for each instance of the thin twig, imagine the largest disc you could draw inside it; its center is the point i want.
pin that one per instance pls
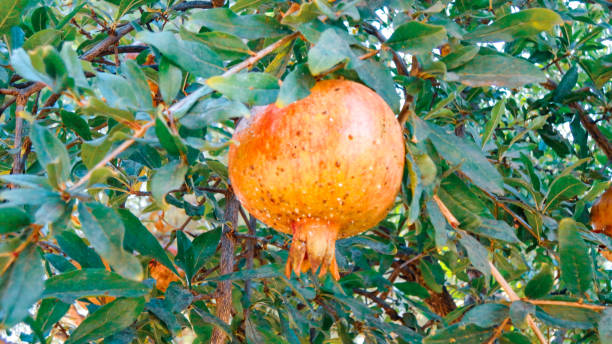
(452, 220)
(498, 331)
(597, 308)
(138, 133)
(513, 297)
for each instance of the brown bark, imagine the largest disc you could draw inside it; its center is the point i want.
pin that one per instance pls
(224, 288)
(440, 303)
(591, 127)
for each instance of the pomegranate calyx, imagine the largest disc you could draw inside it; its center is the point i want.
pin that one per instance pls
(314, 248)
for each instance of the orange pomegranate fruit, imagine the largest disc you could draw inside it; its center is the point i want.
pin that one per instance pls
(601, 214)
(326, 167)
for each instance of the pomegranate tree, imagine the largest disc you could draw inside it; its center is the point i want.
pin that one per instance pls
(326, 167)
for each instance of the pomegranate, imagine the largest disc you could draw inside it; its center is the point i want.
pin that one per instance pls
(326, 167)
(601, 214)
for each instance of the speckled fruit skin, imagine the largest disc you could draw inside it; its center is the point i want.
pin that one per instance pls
(325, 167)
(601, 214)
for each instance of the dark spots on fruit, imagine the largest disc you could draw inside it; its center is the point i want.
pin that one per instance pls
(325, 112)
(345, 196)
(310, 133)
(293, 155)
(350, 137)
(337, 89)
(298, 133)
(352, 177)
(281, 169)
(324, 201)
(252, 168)
(272, 200)
(337, 163)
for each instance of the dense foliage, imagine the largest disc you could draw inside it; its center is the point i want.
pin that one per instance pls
(118, 221)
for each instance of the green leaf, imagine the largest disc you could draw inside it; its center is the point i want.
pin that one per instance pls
(497, 70)
(138, 238)
(412, 288)
(107, 320)
(563, 189)
(375, 244)
(460, 55)
(195, 58)
(126, 6)
(73, 246)
(168, 177)
(94, 151)
(457, 151)
(525, 23)
(41, 38)
(541, 284)
(184, 257)
(329, 50)
(519, 310)
(213, 110)
(94, 106)
(266, 271)
(416, 38)
(296, 86)
(204, 246)
(13, 219)
(566, 85)
(605, 326)
(496, 116)
(21, 286)
(105, 232)
(470, 334)
(122, 93)
(514, 338)
(576, 269)
(477, 253)
(50, 151)
(22, 64)
(568, 317)
(227, 46)
(248, 26)
(76, 123)
(486, 315)
(414, 176)
(10, 14)
(467, 208)
(73, 285)
(73, 65)
(429, 276)
(254, 88)
(495, 229)
(170, 80)
(140, 87)
(49, 313)
(380, 80)
(168, 140)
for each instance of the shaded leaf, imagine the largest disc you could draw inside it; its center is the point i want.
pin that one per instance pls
(248, 26)
(296, 86)
(91, 282)
(139, 239)
(252, 88)
(166, 178)
(576, 269)
(470, 334)
(521, 24)
(498, 70)
(21, 286)
(541, 284)
(13, 219)
(486, 315)
(415, 37)
(105, 231)
(107, 320)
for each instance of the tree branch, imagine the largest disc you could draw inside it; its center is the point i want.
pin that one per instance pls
(591, 127)
(224, 288)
